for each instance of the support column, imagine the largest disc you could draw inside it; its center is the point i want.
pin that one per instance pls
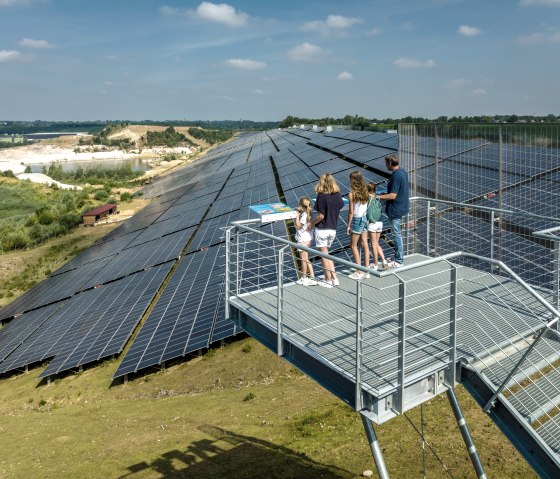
(466, 434)
(375, 448)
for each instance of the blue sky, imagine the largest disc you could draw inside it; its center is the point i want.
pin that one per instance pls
(264, 60)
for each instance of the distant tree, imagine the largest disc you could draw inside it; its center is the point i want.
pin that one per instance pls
(27, 169)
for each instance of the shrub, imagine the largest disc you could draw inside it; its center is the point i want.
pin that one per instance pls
(249, 397)
(126, 196)
(69, 220)
(45, 215)
(101, 195)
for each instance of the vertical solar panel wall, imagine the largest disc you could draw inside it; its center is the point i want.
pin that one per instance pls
(514, 169)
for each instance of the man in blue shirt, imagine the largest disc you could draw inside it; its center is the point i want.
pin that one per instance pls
(397, 205)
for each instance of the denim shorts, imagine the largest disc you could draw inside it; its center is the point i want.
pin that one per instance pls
(358, 225)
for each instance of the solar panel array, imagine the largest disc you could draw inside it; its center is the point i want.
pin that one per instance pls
(159, 277)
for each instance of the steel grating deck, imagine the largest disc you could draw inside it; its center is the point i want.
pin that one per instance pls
(484, 321)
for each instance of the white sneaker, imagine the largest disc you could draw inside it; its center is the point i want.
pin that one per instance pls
(367, 276)
(373, 268)
(324, 284)
(394, 264)
(310, 282)
(335, 282)
(301, 281)
(357, 275)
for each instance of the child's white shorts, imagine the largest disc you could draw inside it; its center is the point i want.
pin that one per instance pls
(376, 227)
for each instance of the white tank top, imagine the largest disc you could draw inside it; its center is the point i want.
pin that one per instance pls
(359, 209)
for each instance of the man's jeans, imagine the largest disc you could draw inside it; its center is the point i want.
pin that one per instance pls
(396, 230)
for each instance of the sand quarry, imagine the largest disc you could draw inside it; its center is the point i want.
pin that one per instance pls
(67, 149)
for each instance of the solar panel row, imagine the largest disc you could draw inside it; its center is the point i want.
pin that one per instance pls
(188, 215)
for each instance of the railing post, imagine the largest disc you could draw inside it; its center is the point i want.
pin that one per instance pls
(492, 219)
(280, 302)
(556, 275)
(237, 261)
(401, 345)
(451, 377)
(227, 278)
(428, 230)
(359, 334)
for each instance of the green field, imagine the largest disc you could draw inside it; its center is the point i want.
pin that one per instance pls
(236, 412)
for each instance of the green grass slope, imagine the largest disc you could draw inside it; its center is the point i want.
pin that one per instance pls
(236, 412)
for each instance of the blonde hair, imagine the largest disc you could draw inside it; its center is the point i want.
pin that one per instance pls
(327, 184)
(372, 188)
(358, 186)
(305, 204)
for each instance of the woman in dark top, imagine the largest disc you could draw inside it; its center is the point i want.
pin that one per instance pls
(328, 205)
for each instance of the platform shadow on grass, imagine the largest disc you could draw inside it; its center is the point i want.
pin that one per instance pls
(234, 456)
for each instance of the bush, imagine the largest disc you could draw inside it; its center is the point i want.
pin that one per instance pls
(46, 215)
(126, 196)
(70, 220)
(101, 195)
(15, 240)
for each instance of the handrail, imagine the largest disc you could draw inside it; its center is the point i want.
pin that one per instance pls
(419, 264)
(485, 208)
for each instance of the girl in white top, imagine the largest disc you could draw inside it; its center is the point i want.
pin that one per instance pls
(303, 237)
(357, 221)
(374, 230)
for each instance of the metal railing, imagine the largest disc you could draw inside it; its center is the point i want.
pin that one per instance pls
(385, 335)
(437, 227)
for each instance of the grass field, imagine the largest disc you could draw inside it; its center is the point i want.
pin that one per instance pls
(236, 412)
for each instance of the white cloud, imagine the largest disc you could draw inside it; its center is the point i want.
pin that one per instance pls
(259, 92)
(8, 56)
(245, 64)
(457, 83)
(551, 36)
(345, 76)
(14, 3)
(333, 22)
(211, 12)
(306, 52)
(412, 63)
(479, 91)
(468, 31)
(108, 83)
(539, 3)
(222, 13)
(32, 43)
(374, 32)
(532, 39)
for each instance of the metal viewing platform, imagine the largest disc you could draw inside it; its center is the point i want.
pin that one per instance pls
(391, 341)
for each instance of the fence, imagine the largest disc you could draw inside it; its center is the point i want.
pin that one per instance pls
(490, 188)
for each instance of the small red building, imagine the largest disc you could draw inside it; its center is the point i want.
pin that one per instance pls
(97, 214)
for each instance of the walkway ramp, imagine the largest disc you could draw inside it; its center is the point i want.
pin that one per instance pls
(387, 343)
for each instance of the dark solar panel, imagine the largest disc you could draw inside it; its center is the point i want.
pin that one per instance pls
(20, 328)
(332, 166)
(54, 289)
(108, 320)
(142, 256)
(211, 231)
(182, 319)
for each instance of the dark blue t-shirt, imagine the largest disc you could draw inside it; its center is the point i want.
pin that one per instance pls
(398, 183)
(329, 205)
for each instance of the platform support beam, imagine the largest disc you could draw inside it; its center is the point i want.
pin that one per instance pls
(375, 448)
(461, 421)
